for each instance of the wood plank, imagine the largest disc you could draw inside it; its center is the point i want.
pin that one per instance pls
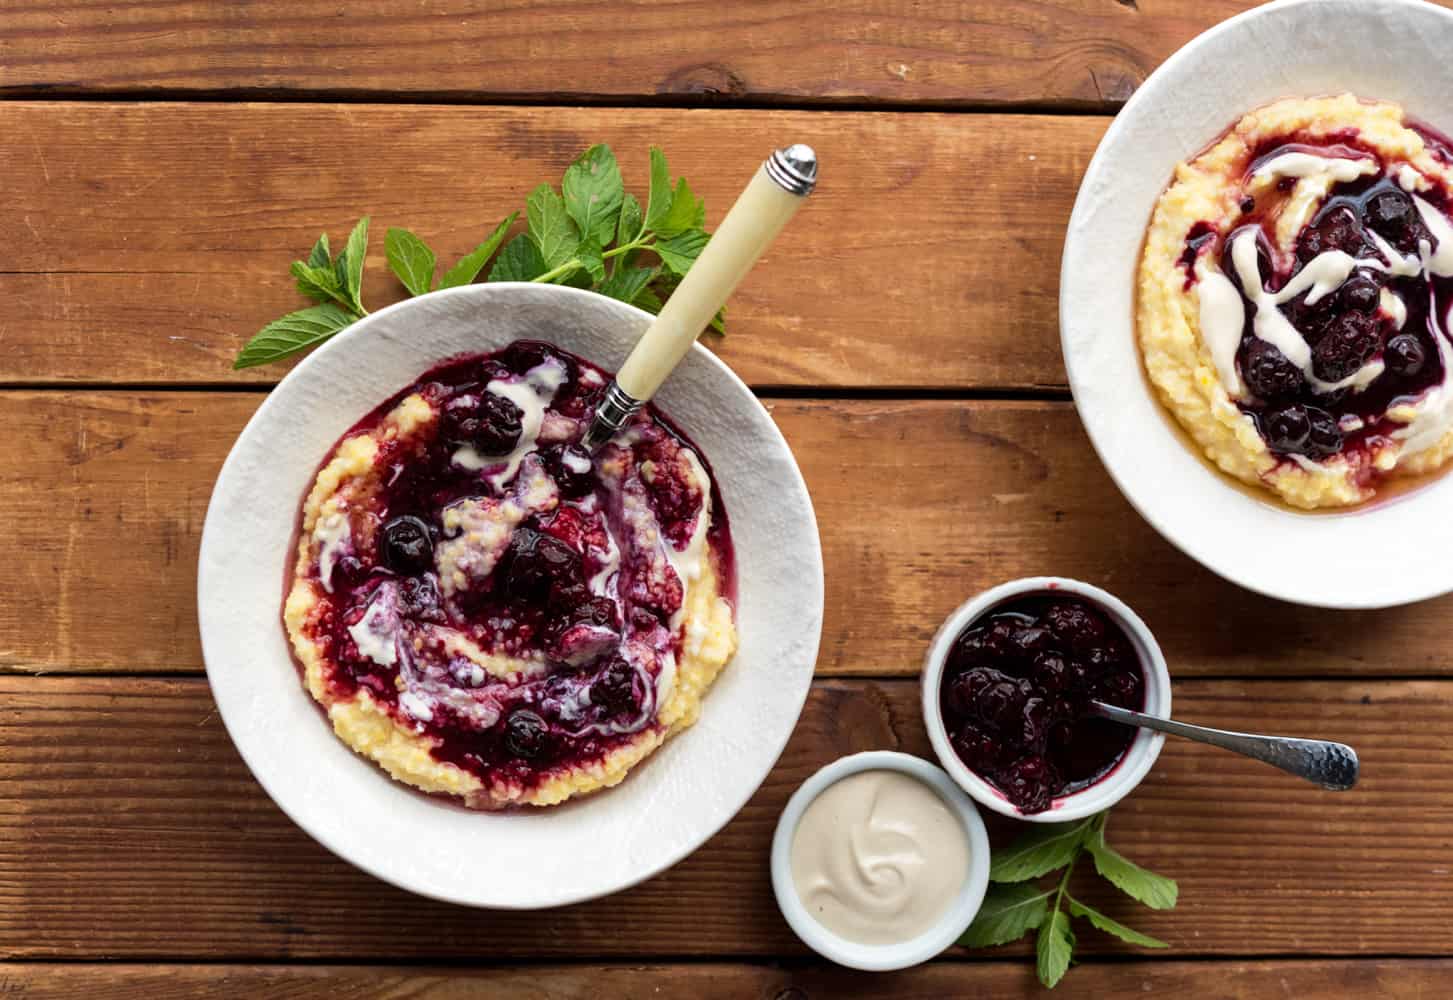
(1082, 53)
(1325, 979)
(105, 493)
(130, 829)
(145, 243)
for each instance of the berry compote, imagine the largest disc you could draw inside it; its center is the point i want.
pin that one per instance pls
(1015, 690)
(518, 608)
(1343, 336)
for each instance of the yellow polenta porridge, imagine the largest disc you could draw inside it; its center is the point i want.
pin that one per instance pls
(486, 610)
(1294, 296)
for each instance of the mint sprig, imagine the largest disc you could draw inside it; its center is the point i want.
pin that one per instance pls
(591, 234)
(1017, 904)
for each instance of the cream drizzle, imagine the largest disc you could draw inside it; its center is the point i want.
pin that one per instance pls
(1222, 312)
(1336, 169)
(533, 396)
(333, 535)
(1321, 276)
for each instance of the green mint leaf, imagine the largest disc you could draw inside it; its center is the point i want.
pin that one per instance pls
(686, 212)
(627, 283)
(1104, 923)
(593, 192)
(411, 259)
(350, 265)
(1008, 913)
(658, 196)
(631, 226)
(473, 262)
(319, 283)
(1056, 945)
(294, 332)
(1040, 851)
(520, 260)
(550, 226)
(718, 322)
(1140, 884)
(589, 256)
(680, 251)
(648, 300)
(321, 256)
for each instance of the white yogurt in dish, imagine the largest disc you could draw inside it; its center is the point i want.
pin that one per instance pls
(878, 858)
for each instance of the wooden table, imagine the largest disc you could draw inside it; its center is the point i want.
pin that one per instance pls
(162, 162)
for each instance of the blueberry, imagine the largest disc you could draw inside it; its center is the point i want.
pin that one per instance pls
(486, 421)
(1120, 688)
(1051, 672)
(1000, 704)
(977, 749)
(1337, 229)
(1361, 294)
(573, 470)
(1074, 625)
(525, 734)
(536, 565)
(1345, 345)
(406, 546)
(999, 637)
(969, 650)
(1286, 430)
(1390, 212)
(523, 355)
(614, 688)
(1030, 783)
(1325, 437)
(1031, 640)
(1404, 355)
(967, 688)
(1034, 722)
(1268, 373)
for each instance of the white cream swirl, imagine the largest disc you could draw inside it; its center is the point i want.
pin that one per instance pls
(878, 858)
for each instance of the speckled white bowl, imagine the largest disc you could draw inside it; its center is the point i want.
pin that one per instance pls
(882, 957)
(1136, 763)
(666, 807)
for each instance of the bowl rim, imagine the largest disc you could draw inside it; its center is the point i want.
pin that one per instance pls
(881, 957)
(1104, 438)
(1138, 759)
(290, 801)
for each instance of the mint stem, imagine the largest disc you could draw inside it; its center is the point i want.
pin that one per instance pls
(570, 265)
(640, 243)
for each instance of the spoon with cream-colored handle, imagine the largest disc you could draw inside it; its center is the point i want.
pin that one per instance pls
(770, 199)
(1331, 765)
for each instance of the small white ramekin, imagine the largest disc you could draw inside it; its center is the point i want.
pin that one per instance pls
(1137, 760)
(883, 957)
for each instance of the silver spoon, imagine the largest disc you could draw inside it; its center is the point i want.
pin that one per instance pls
(773, 195)
(1331, 765)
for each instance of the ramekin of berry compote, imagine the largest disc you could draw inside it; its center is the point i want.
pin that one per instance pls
(1006, 687)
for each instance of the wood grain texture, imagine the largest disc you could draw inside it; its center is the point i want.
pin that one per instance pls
(130, 829)
(146, 243)
(1081, 53)
(920, 504)
(1305, 980)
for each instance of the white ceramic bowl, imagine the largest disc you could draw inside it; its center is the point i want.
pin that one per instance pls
(1391, 49)
(868, 957)
(673, 801)
(1143, 750)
